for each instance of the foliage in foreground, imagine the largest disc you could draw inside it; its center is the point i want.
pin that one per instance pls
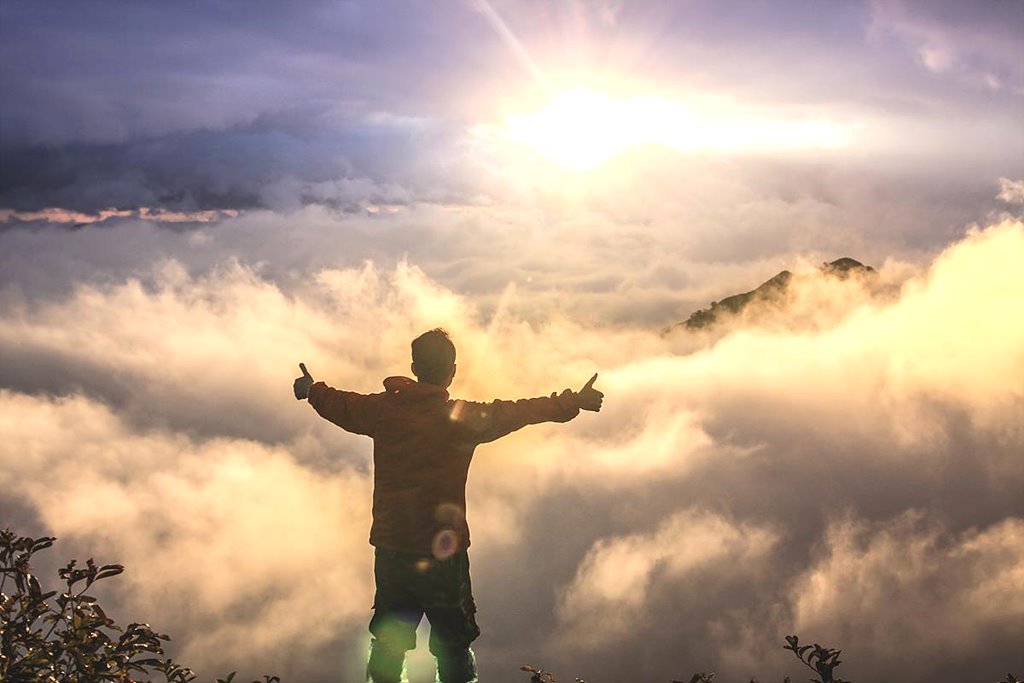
(821, 660)
(66, 636)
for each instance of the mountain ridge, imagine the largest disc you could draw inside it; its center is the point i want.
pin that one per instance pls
(772, 291)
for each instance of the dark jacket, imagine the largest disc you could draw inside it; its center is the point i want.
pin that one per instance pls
(423, 443)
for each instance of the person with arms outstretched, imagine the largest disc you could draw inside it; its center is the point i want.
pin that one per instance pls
(423, 442)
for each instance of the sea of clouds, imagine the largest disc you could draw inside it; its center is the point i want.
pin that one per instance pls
(847, 468)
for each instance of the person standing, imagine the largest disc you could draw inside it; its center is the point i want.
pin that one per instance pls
(423, 443)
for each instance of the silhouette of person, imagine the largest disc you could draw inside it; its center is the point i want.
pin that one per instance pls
(423, 443)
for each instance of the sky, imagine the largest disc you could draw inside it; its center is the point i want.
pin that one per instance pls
(195, 198)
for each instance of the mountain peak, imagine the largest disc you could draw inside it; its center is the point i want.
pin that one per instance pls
(842, 267)
(770, 290)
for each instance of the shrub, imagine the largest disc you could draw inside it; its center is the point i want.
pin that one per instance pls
(66, 637)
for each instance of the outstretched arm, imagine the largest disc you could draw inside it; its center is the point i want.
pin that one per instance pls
(494, 420)
(352, 412)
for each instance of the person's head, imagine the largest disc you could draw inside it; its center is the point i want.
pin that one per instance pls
(433, 358)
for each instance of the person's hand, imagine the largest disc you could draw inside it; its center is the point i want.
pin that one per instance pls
(588, 397)
(302, 384)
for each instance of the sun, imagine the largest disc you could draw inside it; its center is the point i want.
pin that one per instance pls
(581, 129)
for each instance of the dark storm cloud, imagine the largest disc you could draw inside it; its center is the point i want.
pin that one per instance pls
(110, 73)
(257, 165)
(108, 105)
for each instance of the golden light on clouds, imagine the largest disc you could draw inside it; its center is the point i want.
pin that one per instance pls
(581, 129)
(720, 455)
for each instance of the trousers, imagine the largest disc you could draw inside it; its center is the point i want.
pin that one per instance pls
(409, 587)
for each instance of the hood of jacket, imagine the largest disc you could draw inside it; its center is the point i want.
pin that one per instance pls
(407, 389)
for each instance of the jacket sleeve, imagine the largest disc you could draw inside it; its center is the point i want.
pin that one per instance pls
(356, 413)
(491, 421)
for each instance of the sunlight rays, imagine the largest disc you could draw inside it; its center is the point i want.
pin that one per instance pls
(580, 128)
(505, 33)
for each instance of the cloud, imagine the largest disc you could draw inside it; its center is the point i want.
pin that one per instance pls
(338, 163)
(230, 544)
(981, 45)
(1011, 191)
(61, 216)
(373, 103)
(148, 420)
(892, 592)
(605, 601)
(106, 76)
(645, 247)
(911, 590)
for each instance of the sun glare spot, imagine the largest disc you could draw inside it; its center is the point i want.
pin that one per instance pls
(581, 129)
(577, 129)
